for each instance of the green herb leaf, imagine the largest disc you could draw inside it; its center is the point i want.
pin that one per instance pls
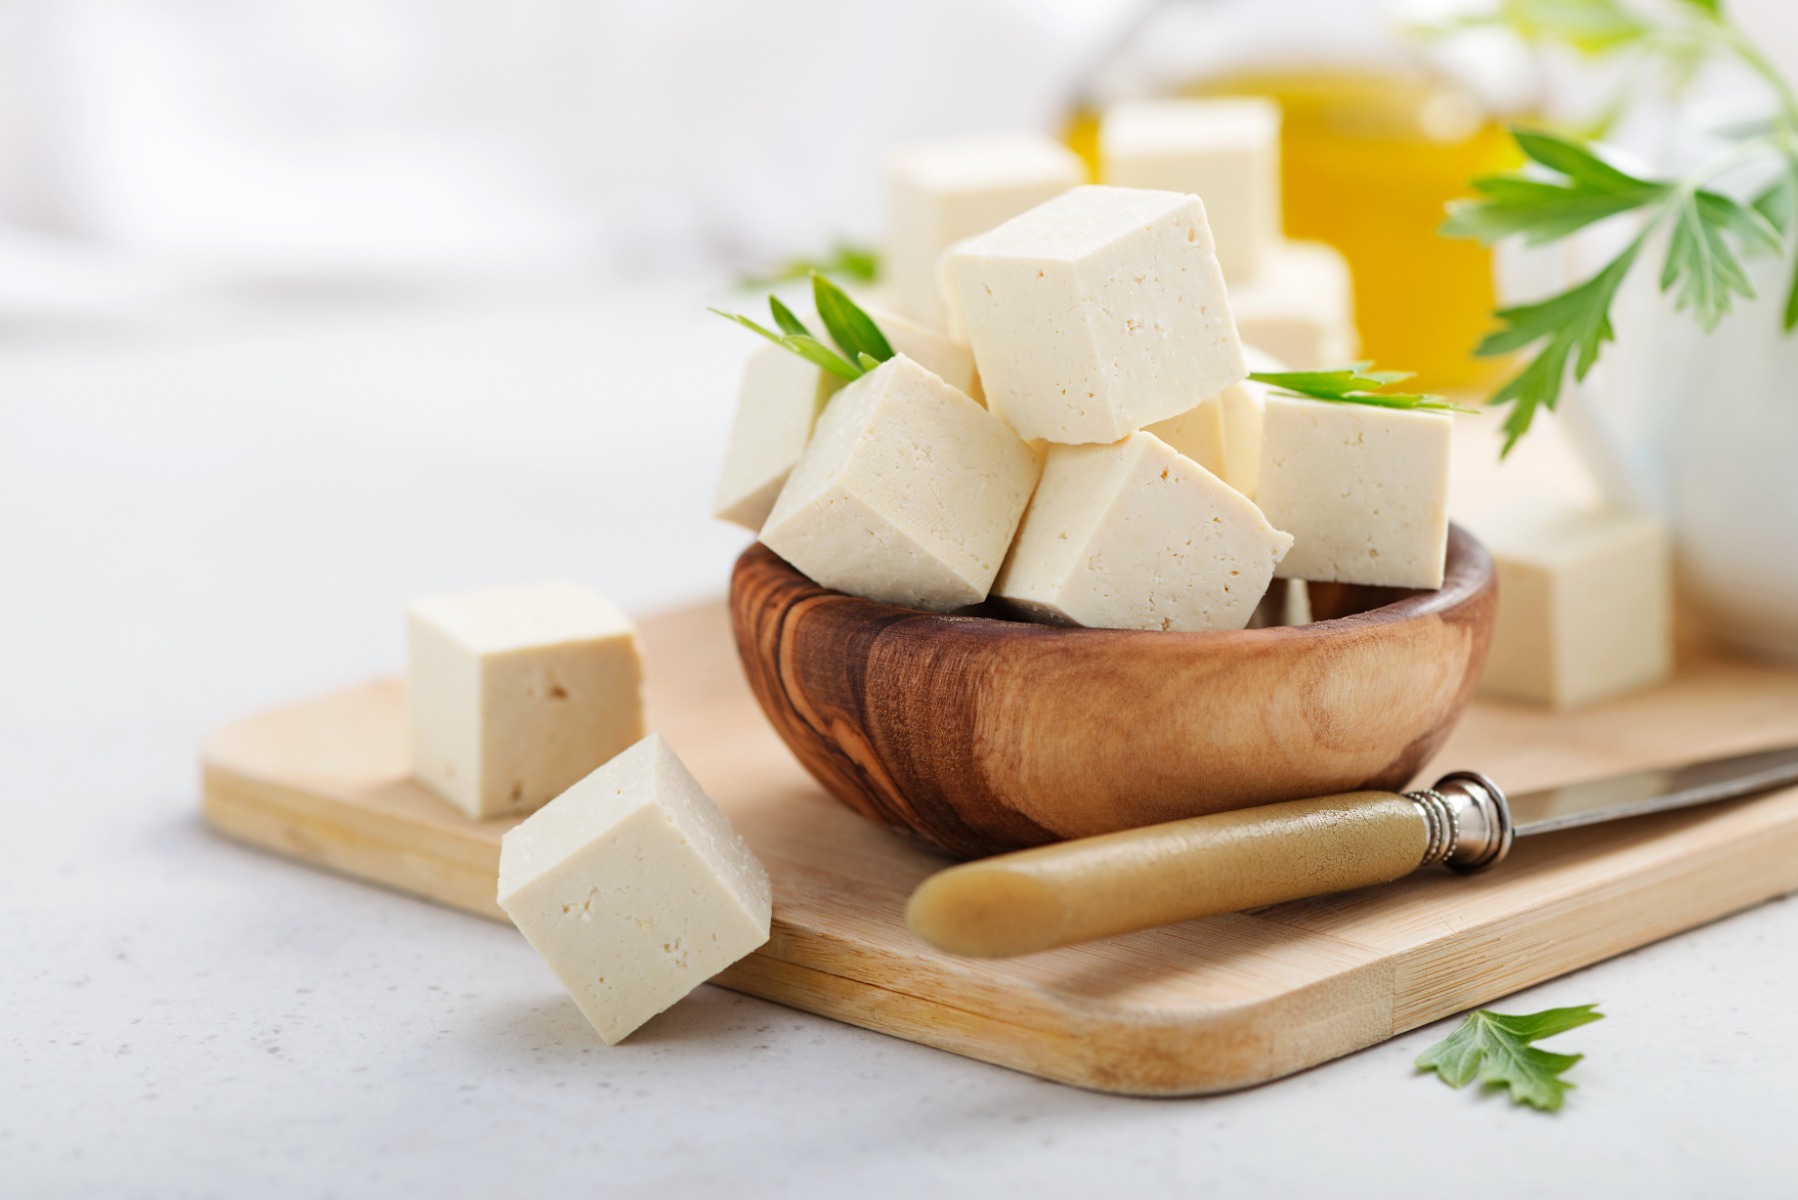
(1590, 26)
(1495, 1049)
(868, 361)
(1544, 210)
(844, 258)
(784, 318)
(803, 344)
(1700, 259)
(850, 328)
(1353, 384)
(814, 351)
(1575, 320)
(1779, 203)
(1710, 7)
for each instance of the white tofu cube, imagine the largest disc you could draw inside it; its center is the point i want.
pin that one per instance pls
(1300, 307)
(1223, 433)
(1225, 151)
(1585, 606)
(1199, 434)
(909, 493)
(1135, 536)
(781, 397)
(517, 692)
(942, 192)
(1097, 313)
(1362, 490)
(634, 888)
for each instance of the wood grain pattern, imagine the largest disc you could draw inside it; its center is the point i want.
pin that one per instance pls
(1200, 1007)
(982, 735)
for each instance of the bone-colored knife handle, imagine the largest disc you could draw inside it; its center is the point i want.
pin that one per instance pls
(1095, 887)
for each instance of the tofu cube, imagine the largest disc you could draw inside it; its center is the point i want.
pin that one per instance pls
(909, 493)
(1362, 490)
(517, 692)
(944, 191)
(1223, 433)
(1135, 536)
(1585, 607)
(780, 399)
(1225, 151)
(1300, 307)
(1097, 313)
(634, 888)
(1199, 434)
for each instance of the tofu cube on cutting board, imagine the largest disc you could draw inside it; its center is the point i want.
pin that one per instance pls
(634, 888)
(1225, 151)
(1362, 490)
(942, 192)
(908, 493)
(1136, 536)
(1299, 307)
(517, 692)
(1097, 313)
(1585, 606)
(780, 399)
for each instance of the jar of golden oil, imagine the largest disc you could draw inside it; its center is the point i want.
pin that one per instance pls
(1381, 127)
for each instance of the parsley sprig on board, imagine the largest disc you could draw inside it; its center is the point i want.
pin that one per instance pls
(861, 344)
(1354, 384)
(1496, 1049)
(1708, 234)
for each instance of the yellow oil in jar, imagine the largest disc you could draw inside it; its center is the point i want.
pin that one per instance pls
(1369, 162)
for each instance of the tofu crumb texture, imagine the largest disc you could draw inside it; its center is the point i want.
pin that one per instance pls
(1097, 313)
(1136, 536)
(1585, 604)
(634, 888)
(909, 493)
(515, 693)
(1362, 490)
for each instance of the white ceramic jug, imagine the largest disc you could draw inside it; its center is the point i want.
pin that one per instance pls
(1703, 431)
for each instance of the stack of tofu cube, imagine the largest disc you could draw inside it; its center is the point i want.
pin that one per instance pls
(1067, 426)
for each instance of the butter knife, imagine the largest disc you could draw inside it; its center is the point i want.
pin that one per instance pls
(1095, 887)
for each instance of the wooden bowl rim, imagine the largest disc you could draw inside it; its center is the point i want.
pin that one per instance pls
(1468, 573)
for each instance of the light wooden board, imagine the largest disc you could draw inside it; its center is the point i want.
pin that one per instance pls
(1201, 1007)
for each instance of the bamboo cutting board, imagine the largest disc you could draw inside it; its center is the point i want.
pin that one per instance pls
(1202, 1007)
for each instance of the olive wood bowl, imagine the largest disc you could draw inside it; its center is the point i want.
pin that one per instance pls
(981, 734)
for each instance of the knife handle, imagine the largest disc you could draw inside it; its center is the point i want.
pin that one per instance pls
(1119, 882)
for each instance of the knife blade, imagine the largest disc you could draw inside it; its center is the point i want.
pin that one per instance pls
(1095, 887)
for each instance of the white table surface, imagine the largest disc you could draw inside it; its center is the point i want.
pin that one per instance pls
(201, 517)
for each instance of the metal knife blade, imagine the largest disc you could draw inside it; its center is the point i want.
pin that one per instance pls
(1642, 792)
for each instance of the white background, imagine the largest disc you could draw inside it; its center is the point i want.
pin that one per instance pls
(241, 423)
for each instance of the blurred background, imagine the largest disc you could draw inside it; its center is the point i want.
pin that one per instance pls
(308, 306)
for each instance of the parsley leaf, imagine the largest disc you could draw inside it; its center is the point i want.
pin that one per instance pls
(1544, 210)
(1353, 384)
(1702, 262)
(1577, 319)
(1495, 1049)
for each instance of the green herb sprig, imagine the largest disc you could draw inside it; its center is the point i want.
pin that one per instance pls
(845, 259)
(1571, 187)
(1496, 1049)
(861, 343)
(1354, 384)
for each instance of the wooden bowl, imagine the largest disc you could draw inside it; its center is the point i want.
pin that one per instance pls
(980, 734)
